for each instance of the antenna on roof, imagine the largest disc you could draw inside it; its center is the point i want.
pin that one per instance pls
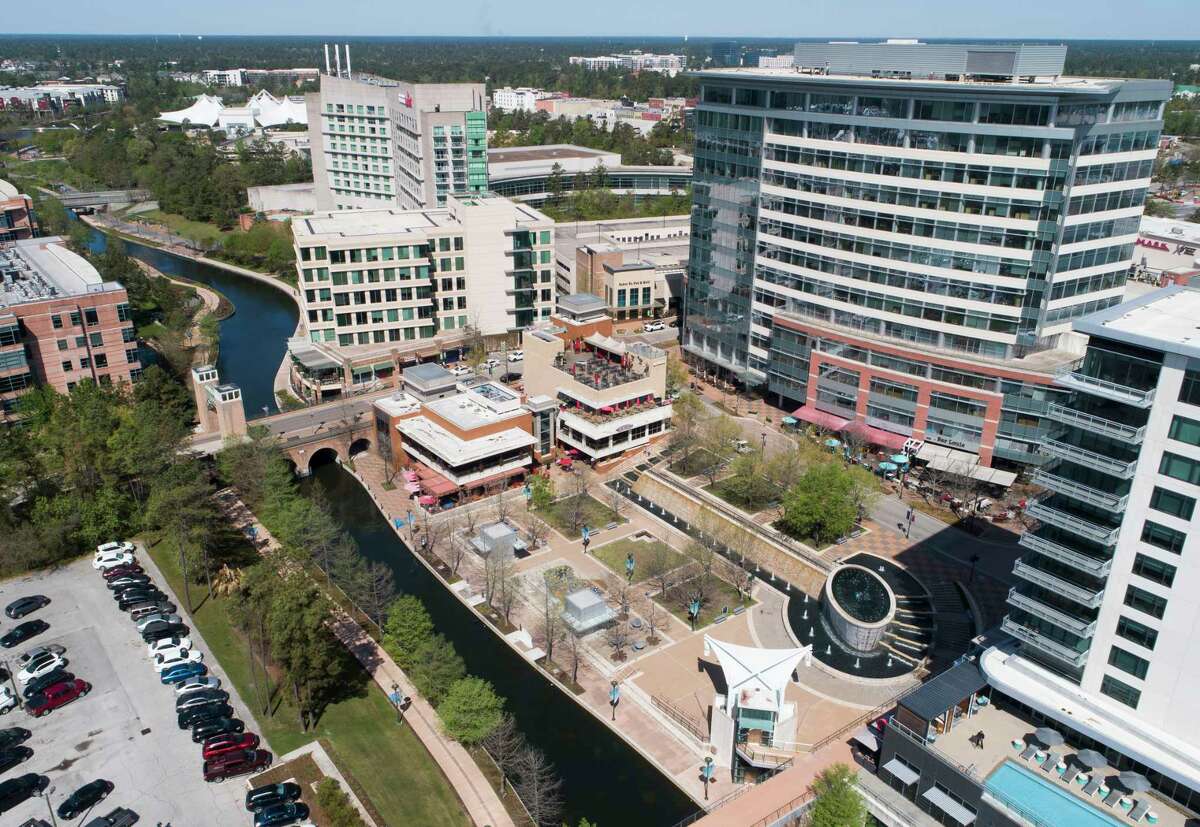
(327, 58)
(337, 60)
(347, 60)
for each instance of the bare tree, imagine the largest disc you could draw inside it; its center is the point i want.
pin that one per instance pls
(617, 636)
(537, 529)
(616, 503)
(573, 644)
(508, 587)
(621, 590)
(377, 590)
(703, 558)
(456, 547)
(505, 744)
(717, 437)
(661, 564)
(551, 626)
(501, 505)
(654, 615)
(495, 568)
(578, 488)
(540, 788)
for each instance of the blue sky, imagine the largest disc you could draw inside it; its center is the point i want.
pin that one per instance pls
(1131, 19)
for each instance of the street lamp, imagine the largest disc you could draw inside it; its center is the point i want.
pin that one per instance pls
(49, 807)
(614, 698)
(708, 774)
(396, 698)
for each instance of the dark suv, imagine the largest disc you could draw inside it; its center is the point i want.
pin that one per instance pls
(190, 717)
(236, 763)
(270, 795)
(15, 791)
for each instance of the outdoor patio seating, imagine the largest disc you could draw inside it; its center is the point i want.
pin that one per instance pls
(1028, 752)
(1096, 783)
(1050, 762)
(1142, 807)
(1070, 774)
(1112, 798)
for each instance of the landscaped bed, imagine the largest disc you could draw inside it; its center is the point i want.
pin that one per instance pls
(697, 462)
(721, 596)
(645, 553)
(593, 514)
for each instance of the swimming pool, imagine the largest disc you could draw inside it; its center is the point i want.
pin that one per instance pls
(1026, 793)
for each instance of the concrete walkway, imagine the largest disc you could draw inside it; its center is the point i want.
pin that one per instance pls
(464, 775)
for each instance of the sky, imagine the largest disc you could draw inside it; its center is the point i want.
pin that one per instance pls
(1066, 19)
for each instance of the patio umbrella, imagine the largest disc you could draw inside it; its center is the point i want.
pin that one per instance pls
(900, 459)
(1090, 759)
(888, 466)
(1048, 737)
(1135, 782)
(788, 420)
(832, 443)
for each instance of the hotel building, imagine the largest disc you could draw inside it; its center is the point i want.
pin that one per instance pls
(60, 323)
(901, 233)
(379, 143)
(382, 287)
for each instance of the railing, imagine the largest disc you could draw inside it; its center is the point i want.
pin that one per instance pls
(793, 807)
(1079, 491)
(1104, 535)
(1096, 424)
(1040, 641)
(895, 726)
(1102, 387)
(1088, 459)
(1088, 597)
(679, 717)
(1034, 606)
(1064, 554)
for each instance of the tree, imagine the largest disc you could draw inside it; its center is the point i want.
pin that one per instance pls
(505, 744)
(407, 629)
(616, 502)
(540, 788)
(541, 492)
(1157, 208)
(436, 667)
(822, 504)
(456, 546)
(551, 625)
(599, 177)
(621, 590)
(507, 589)
(501, 504)
(677, 374)
(748, 484)
(617, 637)
(180, 504)
(375, 591)
(579, 485)
(838, 801)
(660, 562)
(554, 183)
(703, 557)
(471, 710)
(335, 803)
(574, 646)
(654, 615)
(717, 437)
(537, 529)
(687, 412)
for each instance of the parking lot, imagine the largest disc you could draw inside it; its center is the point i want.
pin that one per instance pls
(125, 729)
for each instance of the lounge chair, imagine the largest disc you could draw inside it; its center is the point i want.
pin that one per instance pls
(1113, 797)
(1140, 809)
(1093, 785)
(1071, 773)
(1028, 752)
(1050, 762)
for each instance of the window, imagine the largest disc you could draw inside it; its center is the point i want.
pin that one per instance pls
(1154, 570)
(81, 341)
(67, 367)
(97, 339)
(131, 355)
(1119, 691)
(91, 317)
(1185, 430)
(85, 363)
(62, 344)
(1128, 662)
(56, 321)
(1168, 502)
(935, 110)
(76, 320)
(1138, 633)
(101, 360)
(1181, 468)
(1163, 537)
(123, 312)
(1189, 392)
(1144, 601)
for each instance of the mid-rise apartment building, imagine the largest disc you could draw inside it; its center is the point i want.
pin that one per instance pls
(522, 99)
(902, 233)
(633, 61)
(16, 214)
(378, 142)
(60, 323)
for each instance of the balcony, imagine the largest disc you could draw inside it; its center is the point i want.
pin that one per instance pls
(1104, 535)
(1080, 594)
(1059, 618)
(1089, 459)
(1064, 554)
(1108, 390)
(1095, 424)
(596, 373)
(1078, 491)
(1040, 641)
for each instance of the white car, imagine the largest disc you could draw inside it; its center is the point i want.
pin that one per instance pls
(8, 701)
(460, 370)
(38, 651)
(161, 646)
(490, 364)
(105, 549)
(178, 657)
(196, 685)
(39, 666)
(146, 620)
(652, 327)
(516, 355)
(116, 558)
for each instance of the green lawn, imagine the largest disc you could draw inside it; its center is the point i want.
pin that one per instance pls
(613, 555)
(595, 515)
(388, 761)
(721, 595)
(696, 463)
(200, 232)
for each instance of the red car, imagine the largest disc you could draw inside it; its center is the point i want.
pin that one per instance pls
(229, 742)
(52, 697)
(240, 762)
(122, 571)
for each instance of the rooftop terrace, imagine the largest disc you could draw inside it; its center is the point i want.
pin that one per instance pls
(43, 268)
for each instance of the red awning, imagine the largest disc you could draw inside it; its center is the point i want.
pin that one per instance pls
(877, 436)
(432, 482)
(820, 418)
(503, 475)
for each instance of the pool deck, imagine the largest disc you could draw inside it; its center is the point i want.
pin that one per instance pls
(1000, 729)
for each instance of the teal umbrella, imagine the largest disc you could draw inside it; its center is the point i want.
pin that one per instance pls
(788, 420)
(832, 443)
(888, 466)
(900, 459)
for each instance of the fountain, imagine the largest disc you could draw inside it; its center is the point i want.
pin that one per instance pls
(859, 606)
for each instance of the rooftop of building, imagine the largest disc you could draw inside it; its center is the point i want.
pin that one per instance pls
(43, 268)
(455, 450)
(581, 303)
(7, 190)
(549, 152)
(1164, 320)
(330, 226)
(477, 406)
(398, 404)
(428, 373)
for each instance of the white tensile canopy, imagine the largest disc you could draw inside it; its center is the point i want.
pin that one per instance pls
(751, 671)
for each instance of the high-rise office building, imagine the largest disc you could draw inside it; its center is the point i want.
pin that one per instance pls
(380, 143)
(727, 53)
(901, 233)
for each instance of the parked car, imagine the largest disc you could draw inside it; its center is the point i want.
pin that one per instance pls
(653, 327)
(151, 607)
(165, 643)
(162, 663)
(128, 599)
(188, 718)
(30, 654)
(176, 674)
(55, 696)
(260, 798)
(280, 814)
(114, 547)
(26, 605)
(14, 791)
(14, 735)
(23, 632)
(460, 370)
(122, 571)
(110, 561)
(208, 696)
(197, 685)
(230, 741)
(35, 686)
(490, 365)
(216, 726)
(35, 822)
(14, 756)
(40, 665)
(120, 817)
(516, 355)
(236, 763)
(167, 630)
(8, 701)
(165, 618)
(123, 582)
(83, 799)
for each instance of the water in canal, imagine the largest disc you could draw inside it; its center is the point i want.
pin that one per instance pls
(253, 339)
(604, 779)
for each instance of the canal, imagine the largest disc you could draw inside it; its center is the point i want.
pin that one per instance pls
(253, 339)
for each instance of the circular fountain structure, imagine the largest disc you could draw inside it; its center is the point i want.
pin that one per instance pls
(859, 606)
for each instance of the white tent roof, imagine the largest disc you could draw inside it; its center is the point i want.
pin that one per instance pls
(266, 109)
(204, 112)
(752, 671)
(272, 111)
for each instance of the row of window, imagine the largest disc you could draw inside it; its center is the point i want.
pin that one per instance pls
(1094, 258)
(1112, 173)
(1100, 229)
(1090, 284)
(1119, 142)
(1104, 201)
(1076, 310)
(914, 368)
(89, 315)
(1007, 145)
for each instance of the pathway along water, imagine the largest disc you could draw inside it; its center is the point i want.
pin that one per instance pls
(604, 779)
(253, 339)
